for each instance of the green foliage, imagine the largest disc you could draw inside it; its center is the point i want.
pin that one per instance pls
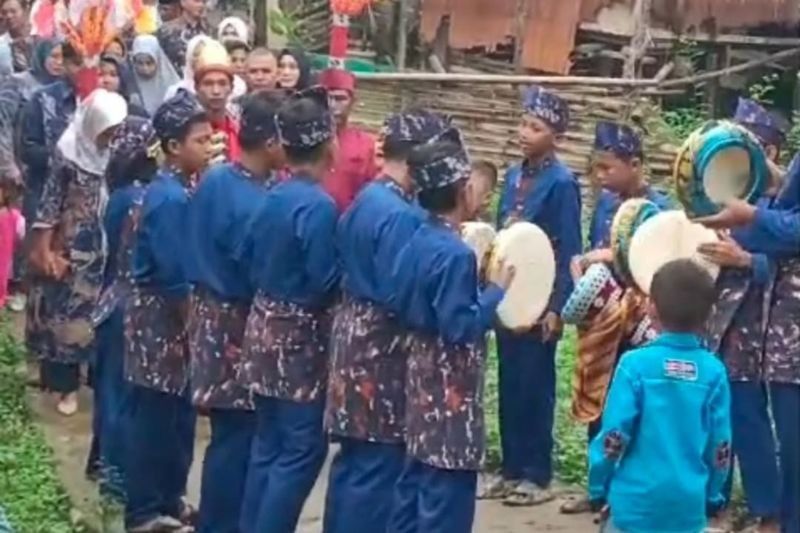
(286, 24)
(570, 437)
(792, 139)
(763, 91)
(30, 492)
(682, 121)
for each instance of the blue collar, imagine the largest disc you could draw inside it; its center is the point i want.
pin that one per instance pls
(679, 340)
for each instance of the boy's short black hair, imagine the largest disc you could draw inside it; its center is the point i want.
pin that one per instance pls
(71, 54)
(442, 199)
(487, 169)
(235, 44)
(259, 109)
(683, 294)
(394, 150)
(305, 156)
(183, 132)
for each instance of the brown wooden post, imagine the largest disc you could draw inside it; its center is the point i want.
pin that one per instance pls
(261, 21)
(639, 40)
(519, 32)
(402, 35)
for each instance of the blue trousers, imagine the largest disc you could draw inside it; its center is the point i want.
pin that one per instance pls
(754, 447)
(433, 500)
(225, 470)
(159, 454)
(288, 452)
(361, 485)
(527, 382)
(111, 396)
(786, 413)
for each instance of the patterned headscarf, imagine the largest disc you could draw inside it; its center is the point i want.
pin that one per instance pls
(134, 152)
(546, 106)
(172, 116)
(311, 131)
(448, 162)
(770, 128)
(619, 139)
(414, 126)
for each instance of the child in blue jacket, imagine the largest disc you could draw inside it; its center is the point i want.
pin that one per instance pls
(663, 454)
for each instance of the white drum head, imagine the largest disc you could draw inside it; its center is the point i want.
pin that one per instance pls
(479, 236)
(527, 248)
(665, 237)
(727, 175)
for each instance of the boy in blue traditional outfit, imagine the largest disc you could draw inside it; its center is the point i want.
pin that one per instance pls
(291, 252)
(618, 164)
(736, 330)
(366, 391)
(219, 212)
(131, 167)
(440, 302)
(663, 453)
(541, 190)
(162, 423)
(775, 230)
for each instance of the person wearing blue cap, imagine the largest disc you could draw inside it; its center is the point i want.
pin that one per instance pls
(366, 392)
(438, 299)
(541, 190)
(757, 334)
(290, 250)
(219, 211)
(769, 127)
(162, 422)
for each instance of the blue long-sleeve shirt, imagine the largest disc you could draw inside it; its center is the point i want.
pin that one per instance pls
(607, 205)
(45, 118)
(371, 233)
(776, 232)
(290, 244)
(118, 207)
(159, 256)
(437, 286)
(553, 203)
(665, 441)
(219, 213)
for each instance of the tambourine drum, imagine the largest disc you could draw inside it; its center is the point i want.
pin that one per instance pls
(719, 162)
(666, 237)
(528, 249)
(593, 292)
(629, 217)
(479, 236)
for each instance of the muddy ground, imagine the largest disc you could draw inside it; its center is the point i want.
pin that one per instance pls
(69, 438)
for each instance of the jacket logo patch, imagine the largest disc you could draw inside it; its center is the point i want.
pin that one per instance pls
(677, 369)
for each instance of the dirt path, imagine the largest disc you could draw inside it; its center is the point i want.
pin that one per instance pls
(69, 438)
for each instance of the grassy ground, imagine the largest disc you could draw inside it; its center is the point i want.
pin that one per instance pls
(570, 453)
(30, 492)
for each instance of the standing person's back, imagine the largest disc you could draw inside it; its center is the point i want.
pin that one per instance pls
(663, 454)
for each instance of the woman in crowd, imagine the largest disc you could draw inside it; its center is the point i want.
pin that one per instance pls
(294, 70)
(233, 29)
(115, 77)
(68, 247)
(153, 74)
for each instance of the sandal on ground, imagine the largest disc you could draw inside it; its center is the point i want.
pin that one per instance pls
(496, 488)
(576, 505)
(528, 494)
(68, 404)
(161, 524)
(188, 514)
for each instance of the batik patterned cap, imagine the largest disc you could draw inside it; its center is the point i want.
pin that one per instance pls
(173, 115)
(257, 120)
(619, 139)
(133, 143)
(447, 165)
(546, 106)
(313, 130)
(417, 125)
(769, 127)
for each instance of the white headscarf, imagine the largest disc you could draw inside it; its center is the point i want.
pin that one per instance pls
(100, 111)
(151, 92)
(239, 27)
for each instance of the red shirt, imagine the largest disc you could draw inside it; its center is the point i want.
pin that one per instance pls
(230, 127)
(353, 167)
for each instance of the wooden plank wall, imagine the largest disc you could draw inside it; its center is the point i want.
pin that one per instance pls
(488, 115)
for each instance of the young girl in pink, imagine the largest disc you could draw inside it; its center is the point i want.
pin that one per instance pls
(12, 231)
